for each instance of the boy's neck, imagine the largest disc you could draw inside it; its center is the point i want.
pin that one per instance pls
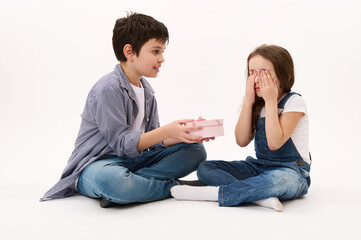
(131, 75)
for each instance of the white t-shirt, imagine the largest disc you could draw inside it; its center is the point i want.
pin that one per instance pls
(139, 123)
(300, 136)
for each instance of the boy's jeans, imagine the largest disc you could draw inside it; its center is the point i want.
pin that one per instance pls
(142, 179)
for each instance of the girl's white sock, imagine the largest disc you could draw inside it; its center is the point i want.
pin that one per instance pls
(271, 202)
(210, 193)
(184, 192)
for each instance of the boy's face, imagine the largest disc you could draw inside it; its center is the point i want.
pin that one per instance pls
(150, 58)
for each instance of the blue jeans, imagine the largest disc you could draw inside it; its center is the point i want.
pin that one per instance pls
(246, 181)
(142, 179)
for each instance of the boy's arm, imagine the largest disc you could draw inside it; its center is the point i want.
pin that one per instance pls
(172, 133)
(170, 142)
(110, 116)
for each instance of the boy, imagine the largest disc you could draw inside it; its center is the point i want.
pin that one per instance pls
(121, 154)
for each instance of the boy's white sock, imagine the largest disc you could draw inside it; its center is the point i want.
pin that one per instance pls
(271, 202)
(184, 192)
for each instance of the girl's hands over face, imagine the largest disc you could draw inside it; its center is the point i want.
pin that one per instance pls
(268, 86)
(250, 91)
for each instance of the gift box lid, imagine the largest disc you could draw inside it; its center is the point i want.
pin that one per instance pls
(206, 123)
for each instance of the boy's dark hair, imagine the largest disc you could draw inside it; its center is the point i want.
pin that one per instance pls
(136, 29)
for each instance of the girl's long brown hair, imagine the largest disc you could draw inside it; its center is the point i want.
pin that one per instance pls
(283, 65)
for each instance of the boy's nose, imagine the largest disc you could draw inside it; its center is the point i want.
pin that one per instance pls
(161, 59)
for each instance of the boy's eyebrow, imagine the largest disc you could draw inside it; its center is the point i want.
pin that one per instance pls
(158, 47)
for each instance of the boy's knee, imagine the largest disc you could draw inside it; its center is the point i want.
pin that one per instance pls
(198, 151)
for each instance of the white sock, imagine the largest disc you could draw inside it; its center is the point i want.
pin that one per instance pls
(184, 192)
(271, 202)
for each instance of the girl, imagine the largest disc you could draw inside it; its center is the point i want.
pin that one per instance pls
(277, 119)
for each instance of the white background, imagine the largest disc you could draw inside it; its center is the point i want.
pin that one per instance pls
(52, 52)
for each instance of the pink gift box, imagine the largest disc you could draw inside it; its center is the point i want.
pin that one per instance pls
(210, 128)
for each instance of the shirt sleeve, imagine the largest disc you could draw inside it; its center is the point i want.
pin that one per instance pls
(295, 104)
(154, 123)
(111, 118)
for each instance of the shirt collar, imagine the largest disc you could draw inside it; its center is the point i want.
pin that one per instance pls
(124, 83)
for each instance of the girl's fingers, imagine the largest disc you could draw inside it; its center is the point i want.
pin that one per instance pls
(260, 80)
(269, 77)
(266, 79)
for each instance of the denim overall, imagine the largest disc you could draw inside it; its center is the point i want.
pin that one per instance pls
(281, 173)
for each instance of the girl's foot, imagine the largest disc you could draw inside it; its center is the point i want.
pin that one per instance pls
(271, 202)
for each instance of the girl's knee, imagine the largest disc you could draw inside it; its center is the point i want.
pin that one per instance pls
(290, 185)
(204, 170)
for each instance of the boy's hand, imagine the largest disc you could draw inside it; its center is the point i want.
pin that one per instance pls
(268, 87)
(177, 131)
(250, 92)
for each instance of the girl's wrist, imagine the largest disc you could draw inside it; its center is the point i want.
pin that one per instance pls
(247, 102)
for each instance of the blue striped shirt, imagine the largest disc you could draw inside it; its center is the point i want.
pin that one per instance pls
(108, 116)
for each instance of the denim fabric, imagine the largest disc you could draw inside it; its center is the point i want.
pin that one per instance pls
(281, 173)
(109, 114)
(142, 179)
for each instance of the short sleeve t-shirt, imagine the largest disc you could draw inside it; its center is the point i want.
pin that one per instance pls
(300, 135)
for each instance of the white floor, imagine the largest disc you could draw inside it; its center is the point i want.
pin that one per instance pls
(322, 214)
(52, 52)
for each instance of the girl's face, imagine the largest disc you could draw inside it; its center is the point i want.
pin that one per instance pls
(257, 64)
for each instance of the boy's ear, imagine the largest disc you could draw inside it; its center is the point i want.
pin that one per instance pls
(128, 52)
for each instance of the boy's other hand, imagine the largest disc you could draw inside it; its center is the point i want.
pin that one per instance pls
(177, 131)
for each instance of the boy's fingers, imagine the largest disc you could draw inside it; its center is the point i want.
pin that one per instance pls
(192, 138)
(193, 128)
(183, 121)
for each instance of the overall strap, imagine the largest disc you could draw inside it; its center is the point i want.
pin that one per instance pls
(282, 103)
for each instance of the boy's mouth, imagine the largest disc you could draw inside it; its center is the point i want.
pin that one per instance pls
(156, 69)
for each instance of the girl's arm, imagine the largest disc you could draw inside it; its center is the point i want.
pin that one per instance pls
(278, 129)
(243, 130)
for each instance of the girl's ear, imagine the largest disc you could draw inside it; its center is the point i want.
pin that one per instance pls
(128, 52)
